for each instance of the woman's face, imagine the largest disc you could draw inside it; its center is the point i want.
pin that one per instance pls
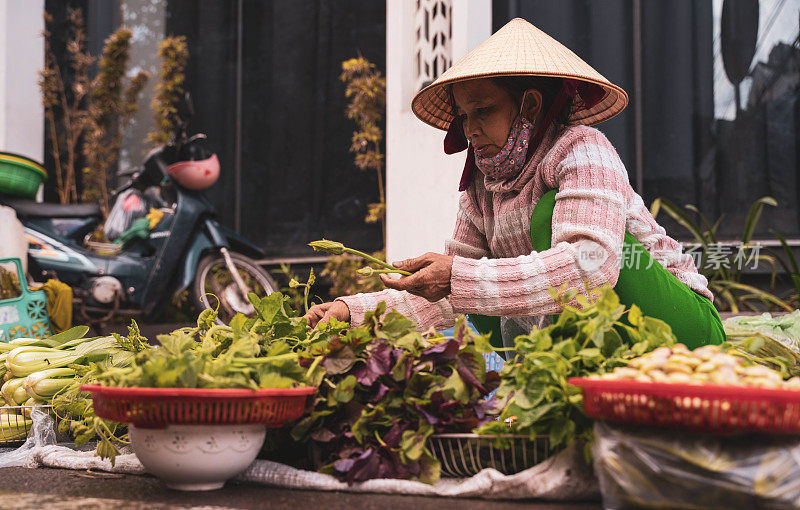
(487, 112)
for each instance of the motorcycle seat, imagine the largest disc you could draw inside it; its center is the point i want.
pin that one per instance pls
(31, 209)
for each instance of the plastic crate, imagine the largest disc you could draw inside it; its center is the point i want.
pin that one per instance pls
(26, 315)
(20, 176)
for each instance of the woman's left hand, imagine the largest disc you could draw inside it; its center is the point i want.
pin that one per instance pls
(431, 278)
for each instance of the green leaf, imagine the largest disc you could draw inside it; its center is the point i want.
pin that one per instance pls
(412, 443)
(66, 336)
(566, 348)
(753, 215)
(410, 342)
(483, 343)
(345, 390)
(430, 469)
(562, 431)
(456, 388)
(635, 315)
(340, 361)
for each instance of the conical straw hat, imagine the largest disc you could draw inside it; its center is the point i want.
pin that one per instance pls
(518, 49)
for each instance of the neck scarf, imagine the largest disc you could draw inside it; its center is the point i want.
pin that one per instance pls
(509, 161)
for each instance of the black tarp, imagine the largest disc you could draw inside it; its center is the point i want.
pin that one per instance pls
(297, 179)
(689, 157)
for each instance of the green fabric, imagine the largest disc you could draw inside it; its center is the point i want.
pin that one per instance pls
(139, 229)
(656, 291)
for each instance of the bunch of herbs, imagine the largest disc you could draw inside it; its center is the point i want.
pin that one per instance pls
(257, 352)
(534, 397)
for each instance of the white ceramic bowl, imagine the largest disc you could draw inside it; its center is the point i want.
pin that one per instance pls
(197, 457)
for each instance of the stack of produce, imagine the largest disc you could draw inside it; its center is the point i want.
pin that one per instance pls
(535, 398)
(36, 370)
(258, 352)
(384, 388)
(704, 365)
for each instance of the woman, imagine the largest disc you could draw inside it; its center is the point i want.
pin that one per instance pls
(546, 201)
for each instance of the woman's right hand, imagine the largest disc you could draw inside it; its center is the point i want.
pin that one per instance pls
(336, 309)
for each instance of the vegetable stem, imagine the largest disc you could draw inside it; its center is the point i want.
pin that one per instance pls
(368, 271)
(375, 260)
(337, 248)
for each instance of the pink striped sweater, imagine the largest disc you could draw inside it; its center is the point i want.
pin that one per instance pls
(495, 270)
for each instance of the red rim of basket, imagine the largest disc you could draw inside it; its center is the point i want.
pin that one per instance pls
(195, 393)
(687, 390)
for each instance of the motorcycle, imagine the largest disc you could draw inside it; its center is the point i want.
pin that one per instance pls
(187, 249)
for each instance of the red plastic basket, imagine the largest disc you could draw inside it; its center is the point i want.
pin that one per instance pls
(158, 407)
(704, 408)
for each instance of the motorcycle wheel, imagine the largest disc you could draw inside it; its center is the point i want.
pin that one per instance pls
(214, 278)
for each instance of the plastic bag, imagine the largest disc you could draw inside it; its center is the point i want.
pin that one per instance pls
(763, 337)
(645, 467)
(42, 433)
(42, 449)
(783, 328)
(129, 206)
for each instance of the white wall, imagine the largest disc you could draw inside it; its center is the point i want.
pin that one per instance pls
(421, 180)
(21, 58)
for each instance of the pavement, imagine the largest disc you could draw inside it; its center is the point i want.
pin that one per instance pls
(44, 488)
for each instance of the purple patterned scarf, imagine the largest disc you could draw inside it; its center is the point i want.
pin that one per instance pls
(509, 161)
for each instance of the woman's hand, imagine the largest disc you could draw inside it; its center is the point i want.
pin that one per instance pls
(431, 278)
(336, 309)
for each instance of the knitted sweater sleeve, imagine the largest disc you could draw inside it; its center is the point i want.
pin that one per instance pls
(468, 241)
(586, 244)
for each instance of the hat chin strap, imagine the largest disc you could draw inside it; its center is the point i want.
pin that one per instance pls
(455, 141)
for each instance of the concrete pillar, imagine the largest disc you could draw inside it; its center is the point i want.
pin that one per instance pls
(21, 58)
(421, 180)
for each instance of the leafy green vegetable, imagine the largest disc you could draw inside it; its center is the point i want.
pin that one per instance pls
(534, 397)
(253, 353)
(249, 353)
(74, 409)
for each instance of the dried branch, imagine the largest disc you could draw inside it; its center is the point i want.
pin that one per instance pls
(174, 54)
(366, 90)
(112, 106)
(66, 110)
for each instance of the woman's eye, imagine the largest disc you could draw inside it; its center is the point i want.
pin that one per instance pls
(484, 110)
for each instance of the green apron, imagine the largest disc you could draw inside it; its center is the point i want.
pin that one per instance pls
(656, 291)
